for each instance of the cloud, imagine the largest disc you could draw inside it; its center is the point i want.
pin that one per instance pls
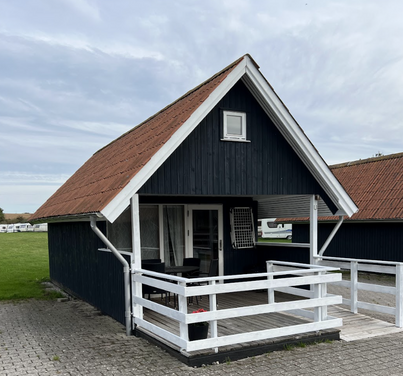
(77, 74)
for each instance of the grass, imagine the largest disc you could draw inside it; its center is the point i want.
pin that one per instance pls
(24, 265)
(267, 240)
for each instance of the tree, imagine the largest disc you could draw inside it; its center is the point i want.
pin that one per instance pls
(379, 154)
(2, 218)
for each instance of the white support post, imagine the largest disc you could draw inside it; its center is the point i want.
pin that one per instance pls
(213, 307)
(313, 229)
(183, 308)
(270, 291)
(354, 286)
(137, 309)
(399, 296)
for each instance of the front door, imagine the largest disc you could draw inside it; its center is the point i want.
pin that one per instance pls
(205, 235)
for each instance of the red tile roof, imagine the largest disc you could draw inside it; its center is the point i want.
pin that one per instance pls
(375, 185)
(110, 169)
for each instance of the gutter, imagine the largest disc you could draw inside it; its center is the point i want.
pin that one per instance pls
(126, 272)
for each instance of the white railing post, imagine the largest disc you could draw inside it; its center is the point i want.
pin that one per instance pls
(270, 291)
(213, 323)
(354, 286)
(183, 308)
(324, 294)
(399, 297)
(317, 293)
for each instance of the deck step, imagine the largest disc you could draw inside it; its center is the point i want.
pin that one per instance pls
(358, 326)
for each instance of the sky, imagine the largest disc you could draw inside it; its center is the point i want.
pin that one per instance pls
(76, 74)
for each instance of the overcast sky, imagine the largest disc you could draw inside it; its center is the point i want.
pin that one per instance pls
(76, 74)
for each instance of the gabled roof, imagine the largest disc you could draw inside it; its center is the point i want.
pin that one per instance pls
(375, 185)
(107, 181)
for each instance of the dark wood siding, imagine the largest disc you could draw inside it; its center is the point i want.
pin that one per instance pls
(77, 266)
(205, 165)
(375, 241)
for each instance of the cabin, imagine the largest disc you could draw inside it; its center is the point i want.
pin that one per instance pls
(376, 231)
(190, 182)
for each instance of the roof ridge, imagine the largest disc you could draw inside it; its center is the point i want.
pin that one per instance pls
(367, 160)
(180, 98)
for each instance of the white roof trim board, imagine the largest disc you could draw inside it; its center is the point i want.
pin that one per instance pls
(278, 113)
(122, 200)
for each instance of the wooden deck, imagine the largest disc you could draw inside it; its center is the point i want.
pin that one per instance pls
(358, 326)
(234, 326)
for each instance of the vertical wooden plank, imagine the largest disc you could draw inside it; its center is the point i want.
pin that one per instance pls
(183, 308)
(270, 291)
(313, 229)
(354, 286)
(399, 296)
(317, 293)
(137, 290)
(213, 307)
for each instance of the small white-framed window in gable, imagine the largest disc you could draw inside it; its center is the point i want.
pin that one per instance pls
(234, 126)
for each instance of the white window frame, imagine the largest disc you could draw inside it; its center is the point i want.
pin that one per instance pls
(233, 137)
(189, 231)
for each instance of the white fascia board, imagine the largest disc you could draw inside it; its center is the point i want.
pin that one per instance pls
(344, 202)
(112, 211)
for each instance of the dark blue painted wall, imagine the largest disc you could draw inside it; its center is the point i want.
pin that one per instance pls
(76, 265)
(375, 241)
(205, 165)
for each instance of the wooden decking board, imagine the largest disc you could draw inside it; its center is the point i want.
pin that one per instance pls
(359, 326)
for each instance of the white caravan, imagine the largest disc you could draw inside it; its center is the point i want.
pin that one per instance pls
(3, 228)
(11, 228)
(268, 228)
(24, 227)
(41, 227)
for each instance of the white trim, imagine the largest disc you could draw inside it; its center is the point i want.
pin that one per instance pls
(189, 242)
(275, 109)
(313, 229)
(161, 230)
(136, 240)
(296, 137)
(121, 200)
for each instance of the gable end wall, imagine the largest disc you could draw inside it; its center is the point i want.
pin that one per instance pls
(205, 165)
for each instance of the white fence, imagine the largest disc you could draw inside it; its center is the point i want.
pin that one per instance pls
(374, 266)
(292, 275)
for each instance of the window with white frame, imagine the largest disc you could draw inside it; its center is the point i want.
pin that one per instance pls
(242, 228)
(167, 223)
(234, 125)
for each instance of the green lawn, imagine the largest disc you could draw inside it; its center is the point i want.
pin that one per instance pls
(267, 240)
(24, 264)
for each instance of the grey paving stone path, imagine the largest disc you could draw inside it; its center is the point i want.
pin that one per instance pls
(73, 338)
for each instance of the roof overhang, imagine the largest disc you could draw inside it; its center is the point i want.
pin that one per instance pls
(288, 206)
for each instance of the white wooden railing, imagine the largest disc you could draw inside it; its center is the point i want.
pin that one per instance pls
(374, 266)
(293, 275)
